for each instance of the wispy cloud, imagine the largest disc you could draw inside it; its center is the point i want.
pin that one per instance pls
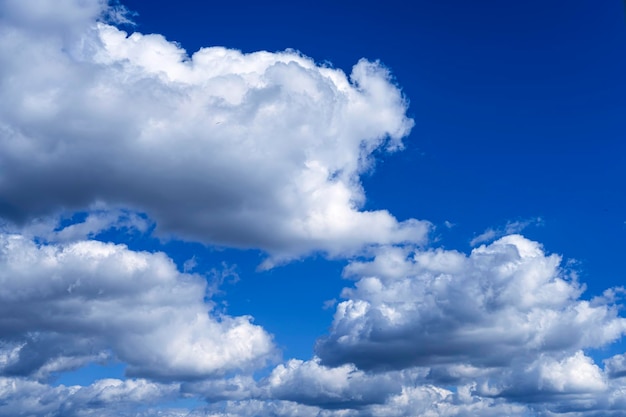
(509, 228)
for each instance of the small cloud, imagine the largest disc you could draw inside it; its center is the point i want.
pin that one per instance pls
(328, 304)
(486, 236)
(449, 224)
(190, 264)
(217, 277)
(509, 228)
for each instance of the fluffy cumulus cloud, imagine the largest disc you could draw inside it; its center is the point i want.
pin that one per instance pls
(256, 150)
(507, 320)
(340, 387)
(64, 305)
(505, 301)
(501, 331)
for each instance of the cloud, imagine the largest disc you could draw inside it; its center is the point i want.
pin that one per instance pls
(259, 150)
(505, 325)
(80, 226)
(310, 383)
(501, 331)
(430, 400)
(498, 332)
(506, 309)
(103, 398)
(425, 400)
(509, 229)
(63, 305)
(615, 366)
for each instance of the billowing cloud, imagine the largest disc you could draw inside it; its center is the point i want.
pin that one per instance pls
(507, 320)
(616, 366)
(63, 305)
(250, 150)
(309, 382)
(93, 301)
(505, 301)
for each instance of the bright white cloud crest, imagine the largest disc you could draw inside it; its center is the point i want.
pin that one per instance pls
(252, 150)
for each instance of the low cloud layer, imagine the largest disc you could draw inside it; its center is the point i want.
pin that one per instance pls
(501, 331)
(260, 150)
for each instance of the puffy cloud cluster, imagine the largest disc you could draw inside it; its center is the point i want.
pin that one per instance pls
(64, 305)
(501, 331)
(506, 320)
(256, 150)
(503, 302)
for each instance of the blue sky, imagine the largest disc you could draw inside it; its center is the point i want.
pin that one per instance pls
(393, 210)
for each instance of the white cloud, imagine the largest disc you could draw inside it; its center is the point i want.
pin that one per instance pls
(309, 382)
(433, 401)
(424, 400)
(261, 408)
(506, 309)
(105, 397)
(615, 366)
(249, 150)
(576, 373)
(62, 305)
(511, 227)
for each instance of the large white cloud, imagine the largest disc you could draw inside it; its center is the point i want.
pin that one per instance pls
(63, 305)
(507, 320)
(505, 301)
(251, 150)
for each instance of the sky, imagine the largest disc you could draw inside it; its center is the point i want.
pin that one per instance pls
(333, 209)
